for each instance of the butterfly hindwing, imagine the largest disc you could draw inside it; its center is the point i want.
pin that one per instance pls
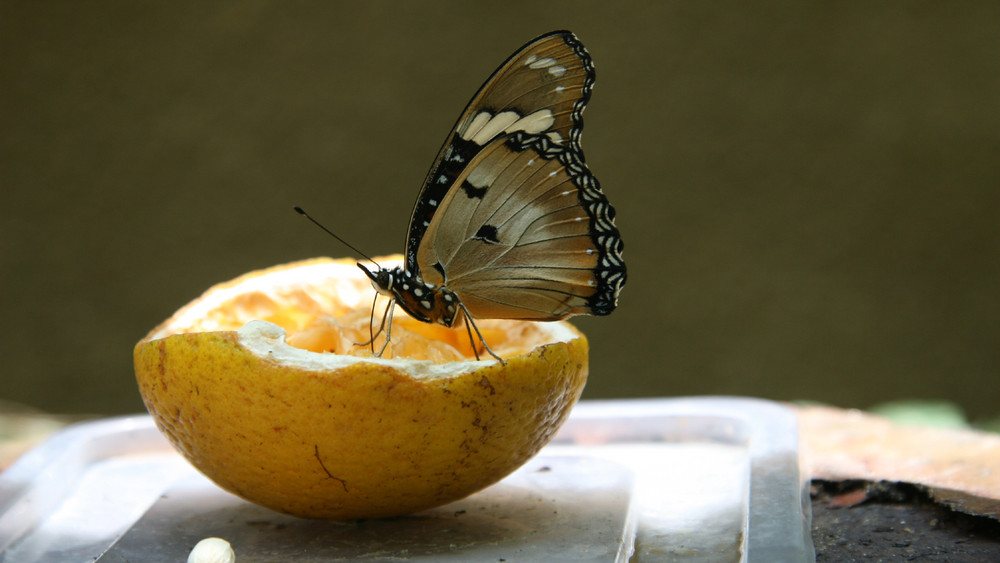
(515, 239)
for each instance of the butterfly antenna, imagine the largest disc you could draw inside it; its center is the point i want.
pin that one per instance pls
(303, 213)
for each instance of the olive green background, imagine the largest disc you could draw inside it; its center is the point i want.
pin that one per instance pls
(808, 194)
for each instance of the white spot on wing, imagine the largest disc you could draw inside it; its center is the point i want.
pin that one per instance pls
(499, 123)
(542, 63)
(480, 177)
(534, 123)
(555, 137)
(557, 70)
(482, 118)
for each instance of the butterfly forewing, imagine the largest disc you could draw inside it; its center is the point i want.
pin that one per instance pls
(541, 89)
(535, 91)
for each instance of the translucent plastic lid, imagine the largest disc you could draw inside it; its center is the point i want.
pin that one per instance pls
(693, 479)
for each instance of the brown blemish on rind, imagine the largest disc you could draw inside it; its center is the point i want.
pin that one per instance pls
(327, 471)
(484, 382)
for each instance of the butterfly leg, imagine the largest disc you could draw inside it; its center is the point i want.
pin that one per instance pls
(468, 323)
(388, 327)
(472, 341)
(382, 325)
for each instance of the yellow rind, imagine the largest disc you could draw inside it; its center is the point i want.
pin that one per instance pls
(360, 441)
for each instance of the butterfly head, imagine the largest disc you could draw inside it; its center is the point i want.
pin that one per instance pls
(382, 279)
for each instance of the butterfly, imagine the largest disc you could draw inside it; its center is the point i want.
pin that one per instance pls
(510, 223)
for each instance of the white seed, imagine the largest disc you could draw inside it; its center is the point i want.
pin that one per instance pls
(212, 550)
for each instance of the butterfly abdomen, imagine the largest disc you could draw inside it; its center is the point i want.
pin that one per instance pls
(430, 304)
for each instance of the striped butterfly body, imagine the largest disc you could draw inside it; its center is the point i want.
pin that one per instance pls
(510, 222)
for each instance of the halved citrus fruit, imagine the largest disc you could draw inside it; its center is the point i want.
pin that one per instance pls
(260, 385)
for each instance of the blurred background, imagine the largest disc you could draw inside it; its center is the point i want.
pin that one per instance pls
(808, 195)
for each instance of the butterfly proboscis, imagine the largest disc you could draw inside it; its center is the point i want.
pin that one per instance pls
(383, 281)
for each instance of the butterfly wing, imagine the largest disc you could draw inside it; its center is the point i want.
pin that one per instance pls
(511, 219)
(541, 89)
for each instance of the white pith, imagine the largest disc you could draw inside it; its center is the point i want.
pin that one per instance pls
(346, 284)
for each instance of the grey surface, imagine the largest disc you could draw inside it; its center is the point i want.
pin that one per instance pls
(555, 509)
(701, 479)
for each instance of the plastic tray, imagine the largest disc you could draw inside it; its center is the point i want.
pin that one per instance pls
(691, 479)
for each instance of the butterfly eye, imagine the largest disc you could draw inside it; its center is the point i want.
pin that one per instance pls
(381, 279)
